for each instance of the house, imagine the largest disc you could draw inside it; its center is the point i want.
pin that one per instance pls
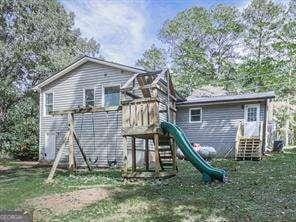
(91, 82)
(214, 120)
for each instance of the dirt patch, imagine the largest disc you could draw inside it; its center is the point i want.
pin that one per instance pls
(16, 165)
(63, 203)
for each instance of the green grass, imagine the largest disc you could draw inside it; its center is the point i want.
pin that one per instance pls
(258, 191)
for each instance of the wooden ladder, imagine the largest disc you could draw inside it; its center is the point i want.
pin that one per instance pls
(166, 155)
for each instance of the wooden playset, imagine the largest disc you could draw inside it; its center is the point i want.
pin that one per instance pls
(147, 99)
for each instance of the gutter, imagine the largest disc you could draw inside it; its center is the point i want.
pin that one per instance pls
(255, 99)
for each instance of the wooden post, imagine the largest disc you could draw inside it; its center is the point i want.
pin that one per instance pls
(125, 165)
(147, 154)
(134, 167)
(168, 98)
(81, 151)
(157, 161)
(174, 154)
(71, 142)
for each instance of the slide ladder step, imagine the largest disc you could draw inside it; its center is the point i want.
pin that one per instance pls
(167, 163)
(166, 157)
(164, 149)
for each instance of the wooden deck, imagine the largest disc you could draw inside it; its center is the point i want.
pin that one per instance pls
(248, 148)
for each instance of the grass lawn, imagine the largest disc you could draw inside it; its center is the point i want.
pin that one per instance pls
(258, 191)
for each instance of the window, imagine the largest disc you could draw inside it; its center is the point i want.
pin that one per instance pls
(252, 114)
(195, 115)
(48, 103)
(111, 96)
(89, 97)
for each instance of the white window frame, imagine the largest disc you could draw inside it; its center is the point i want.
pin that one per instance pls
(103, 93)
(199, 108)
(84, 102)
(44, 103)
(257, 105)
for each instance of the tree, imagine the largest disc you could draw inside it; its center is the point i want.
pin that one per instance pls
(152, 59)
(286, 49)
(203, 44)
(36, 39)
(262, 20)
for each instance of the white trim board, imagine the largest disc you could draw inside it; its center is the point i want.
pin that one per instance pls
(44, 101)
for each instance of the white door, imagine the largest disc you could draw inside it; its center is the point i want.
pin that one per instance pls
(49, 148)
(252, 120)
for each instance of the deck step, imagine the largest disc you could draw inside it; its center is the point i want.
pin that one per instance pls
(248, 148)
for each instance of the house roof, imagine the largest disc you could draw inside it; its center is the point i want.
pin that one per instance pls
(228, 98)
(83, 60)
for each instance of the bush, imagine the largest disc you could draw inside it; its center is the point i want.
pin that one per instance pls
(20, 134)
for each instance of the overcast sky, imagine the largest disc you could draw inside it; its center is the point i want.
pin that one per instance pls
(125, 29)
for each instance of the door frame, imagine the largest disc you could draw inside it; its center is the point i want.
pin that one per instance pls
(46, 137)
(257, 105)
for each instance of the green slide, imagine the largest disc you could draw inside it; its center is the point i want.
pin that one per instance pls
(209, 172)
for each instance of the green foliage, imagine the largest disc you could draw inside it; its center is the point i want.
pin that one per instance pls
(262, 20)
(152, 59)
(37, 38)
(202, 42)
(251, 50)
(248, 50)
(22, 138)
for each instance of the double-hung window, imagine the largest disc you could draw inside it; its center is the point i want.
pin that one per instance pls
(195, 115)
(111, 96)
(89, 97)
(48, 103)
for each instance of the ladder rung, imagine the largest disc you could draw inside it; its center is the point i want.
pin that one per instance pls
(166, 157)
(164, 143)
(167, 164)
(164, 149)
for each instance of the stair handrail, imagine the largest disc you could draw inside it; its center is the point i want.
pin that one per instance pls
(237, 138)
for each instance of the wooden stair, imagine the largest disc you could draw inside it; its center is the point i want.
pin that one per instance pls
(249, 149)
(166, 155)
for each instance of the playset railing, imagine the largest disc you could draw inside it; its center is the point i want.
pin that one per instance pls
(140, 115)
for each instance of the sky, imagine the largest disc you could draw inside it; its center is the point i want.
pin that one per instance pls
(125, 29)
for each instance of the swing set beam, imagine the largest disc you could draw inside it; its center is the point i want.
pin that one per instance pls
(71, 136)
(82, 110)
